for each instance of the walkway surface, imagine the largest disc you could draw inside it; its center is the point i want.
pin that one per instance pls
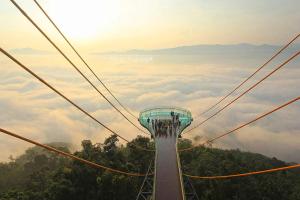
(159, 122)
(167, 184)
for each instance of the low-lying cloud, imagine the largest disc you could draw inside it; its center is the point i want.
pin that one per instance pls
(30, 109)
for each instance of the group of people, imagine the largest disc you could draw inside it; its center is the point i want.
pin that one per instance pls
(165, 127)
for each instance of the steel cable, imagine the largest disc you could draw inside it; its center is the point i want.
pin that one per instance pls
(245, 92)
(66, 98)
(74, 66)
(245, 174)
(245, 124)
(256, 71)
(83, 60)
(49, 148)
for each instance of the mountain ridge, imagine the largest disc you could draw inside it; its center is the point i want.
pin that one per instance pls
(201, 48)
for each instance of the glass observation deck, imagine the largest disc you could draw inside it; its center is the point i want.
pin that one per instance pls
(163, 114)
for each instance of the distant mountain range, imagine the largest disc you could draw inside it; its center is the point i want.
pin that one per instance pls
(205, 49)
(202, 49)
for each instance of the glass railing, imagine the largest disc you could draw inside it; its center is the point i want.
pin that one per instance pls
(163, 113)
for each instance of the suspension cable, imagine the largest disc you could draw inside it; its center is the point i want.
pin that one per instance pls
(245, 174)
(66, 98)
(83, 60)
(74, 66)
(49, 148)
(260, 68)
(245, 92)
(245, 124)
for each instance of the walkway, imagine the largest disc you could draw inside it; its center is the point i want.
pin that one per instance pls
(158, 121)
(167, 176)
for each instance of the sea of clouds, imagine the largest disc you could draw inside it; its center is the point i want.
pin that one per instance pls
(193, 82)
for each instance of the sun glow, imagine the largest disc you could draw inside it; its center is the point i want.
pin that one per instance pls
(84, 19)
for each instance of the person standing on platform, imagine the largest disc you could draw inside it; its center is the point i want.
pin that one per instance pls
(152, 123)
(155, 127)
(176, 121)
(170, 127)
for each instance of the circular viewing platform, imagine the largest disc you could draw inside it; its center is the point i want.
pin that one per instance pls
(165, 114)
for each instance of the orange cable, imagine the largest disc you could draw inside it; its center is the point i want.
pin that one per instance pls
(245, 174)
(253, 86)
(49, 148)
(66, 98)
(81, 58)
(242, 83)
(74, 66)
(245, 124)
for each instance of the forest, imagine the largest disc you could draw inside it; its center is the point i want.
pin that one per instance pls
(42, 175)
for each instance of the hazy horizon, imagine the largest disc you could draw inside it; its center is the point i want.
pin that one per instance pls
(263, 46)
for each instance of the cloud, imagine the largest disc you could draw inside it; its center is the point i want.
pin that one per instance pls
(29, 51)
(31, 109)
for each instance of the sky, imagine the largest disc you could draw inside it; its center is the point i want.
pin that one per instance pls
(118, 25)
(141, 81)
